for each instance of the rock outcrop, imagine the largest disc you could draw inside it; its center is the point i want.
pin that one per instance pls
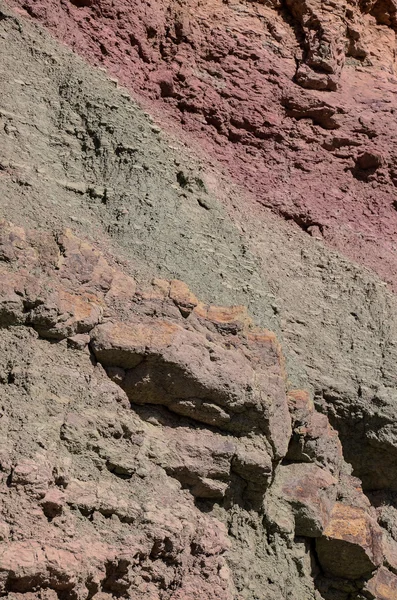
(145, 434)
(295, 97)
(161, 444)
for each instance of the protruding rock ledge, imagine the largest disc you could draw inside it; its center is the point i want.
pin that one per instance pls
(241, 435)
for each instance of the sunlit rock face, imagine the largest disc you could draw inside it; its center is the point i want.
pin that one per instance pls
(197, 382)
(295, 98)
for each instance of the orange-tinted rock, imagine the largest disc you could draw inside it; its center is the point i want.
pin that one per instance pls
(382, 586)
(183, 297)
(231, 319)
(64, 314)
(351, 546)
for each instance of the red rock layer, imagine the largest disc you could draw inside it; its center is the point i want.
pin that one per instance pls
(297, 99)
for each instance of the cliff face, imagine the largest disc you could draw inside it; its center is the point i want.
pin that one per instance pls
(295, 98)
(151, 445)
(208, 439)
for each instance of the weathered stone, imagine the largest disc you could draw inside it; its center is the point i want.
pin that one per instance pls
(64, 314)
(125, 345)
(311, 494)
(53, 502)
(89, 496)
(389, 552)
(313, 438)
(183, 297)
(167, 364)
(382, 586)
(253, 464)
(79, 341)
(351, 546)
(35, 475)
(208, 424)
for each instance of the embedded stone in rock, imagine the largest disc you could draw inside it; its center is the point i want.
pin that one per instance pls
(185, 300)
(121, 345)
(253, 464)
(389, 551)
(206, 380)
(382, 586)
(369, 160)
(311, 493)
(34, 475)
(351, 546)
(108, 499)
(313, 438)
(323, 24)
(11, 302)
(53, 502)
(82, 265)
(203, 460)
(302, 106)
(51, 564)
(65, 314)
(231, 319)
(206, 412)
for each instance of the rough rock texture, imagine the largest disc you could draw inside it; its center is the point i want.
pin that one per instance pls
(295, 97)
(76, 151)
(143, 446)
(150, 424)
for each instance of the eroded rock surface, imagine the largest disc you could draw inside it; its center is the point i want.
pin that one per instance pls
(144, 448)
(295, 97)
(103, 414)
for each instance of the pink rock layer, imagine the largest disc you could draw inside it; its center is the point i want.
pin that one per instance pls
(295, 99)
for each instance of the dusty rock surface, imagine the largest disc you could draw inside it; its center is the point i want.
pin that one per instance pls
(103, 414)
(145, 440)
(295, 97)
(76, 151)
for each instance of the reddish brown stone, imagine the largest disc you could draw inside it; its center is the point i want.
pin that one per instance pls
(311, 493)
(382, 586)
(313, 439)
(351, 546)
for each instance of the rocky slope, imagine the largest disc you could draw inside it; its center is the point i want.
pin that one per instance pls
(295, 98)
(159, 446)
(147, 439)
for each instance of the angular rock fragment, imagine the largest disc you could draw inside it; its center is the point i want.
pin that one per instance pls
(382, 586)
(311, 494)
(313, 439)
(167, 364)
(351, 546)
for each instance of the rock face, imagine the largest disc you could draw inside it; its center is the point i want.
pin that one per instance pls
(295, 97)
(128, 410)
(157, 440)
